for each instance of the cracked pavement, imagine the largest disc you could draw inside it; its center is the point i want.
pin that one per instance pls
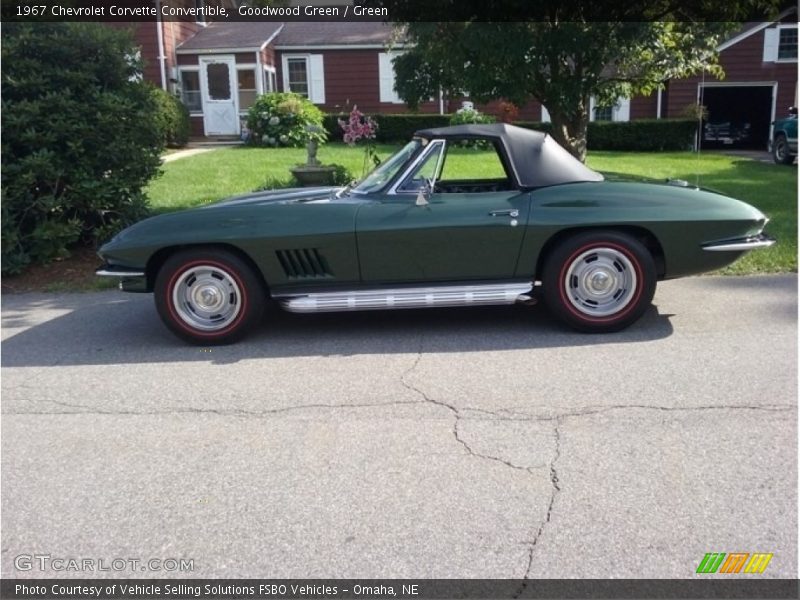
(476, 443)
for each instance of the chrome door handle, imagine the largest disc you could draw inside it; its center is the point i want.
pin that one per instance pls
(511, 212)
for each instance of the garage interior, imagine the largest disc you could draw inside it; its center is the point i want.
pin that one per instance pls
(738, 116)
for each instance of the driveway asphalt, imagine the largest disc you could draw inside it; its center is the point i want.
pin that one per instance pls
(479, 443)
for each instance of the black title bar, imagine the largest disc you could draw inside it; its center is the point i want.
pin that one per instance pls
(392, 589)
(392, 10)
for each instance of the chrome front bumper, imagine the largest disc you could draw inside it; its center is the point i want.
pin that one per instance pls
(130, 280)
(741, 244)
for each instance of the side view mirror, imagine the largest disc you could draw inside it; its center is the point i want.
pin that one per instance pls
(793, 110)
(424, 193)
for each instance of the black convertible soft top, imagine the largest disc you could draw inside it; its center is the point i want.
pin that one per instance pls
(536, 158)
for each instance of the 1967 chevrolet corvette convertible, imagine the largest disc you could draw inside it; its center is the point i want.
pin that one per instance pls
(416, 232)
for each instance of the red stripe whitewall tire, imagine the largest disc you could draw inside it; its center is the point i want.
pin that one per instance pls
(599, 281)
(208, 296)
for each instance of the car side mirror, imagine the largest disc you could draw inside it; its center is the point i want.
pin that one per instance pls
(424, 193)
(793, 110)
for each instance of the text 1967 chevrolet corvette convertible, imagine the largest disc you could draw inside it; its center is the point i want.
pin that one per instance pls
(529, 219)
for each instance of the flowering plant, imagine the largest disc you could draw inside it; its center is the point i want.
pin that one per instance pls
(361, 127)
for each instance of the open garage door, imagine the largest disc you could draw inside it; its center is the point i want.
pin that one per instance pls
(738, 116)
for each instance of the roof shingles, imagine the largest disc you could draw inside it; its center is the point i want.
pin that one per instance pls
(298, 34)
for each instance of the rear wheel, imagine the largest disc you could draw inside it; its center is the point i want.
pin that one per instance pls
(780, 150)
(599, 281)
(208, 296)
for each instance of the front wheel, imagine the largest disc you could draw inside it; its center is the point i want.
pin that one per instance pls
(208, 296)
(780, 150)
(599, 282)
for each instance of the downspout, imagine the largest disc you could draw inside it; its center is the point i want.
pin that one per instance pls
(658, 102)
(162, 59)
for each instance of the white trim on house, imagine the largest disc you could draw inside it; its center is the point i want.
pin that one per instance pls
(315, 75)
(270, 75)
(771, 40)
(270, 38)
(620, 110)
(302, 47)
(753, 30)
(190, 69)
(259, 74)
(236, 50)
(772, 84)
(387, 77)
(233, 81)
(779, 28)
(545, 116)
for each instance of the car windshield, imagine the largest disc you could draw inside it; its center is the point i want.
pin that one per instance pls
(386, 171)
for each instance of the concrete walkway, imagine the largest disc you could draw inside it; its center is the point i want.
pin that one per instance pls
(198, 146)
(184, 153)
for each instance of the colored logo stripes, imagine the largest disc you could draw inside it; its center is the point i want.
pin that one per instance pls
(735, 562)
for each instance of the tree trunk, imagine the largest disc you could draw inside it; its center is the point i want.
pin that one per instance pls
(571, 132)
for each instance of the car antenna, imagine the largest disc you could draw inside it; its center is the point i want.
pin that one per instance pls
(700, 111)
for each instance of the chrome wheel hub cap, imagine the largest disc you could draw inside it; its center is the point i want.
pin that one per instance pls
(206, 298)
(600, 282)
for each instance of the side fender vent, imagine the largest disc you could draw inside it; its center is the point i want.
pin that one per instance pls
(303, 263)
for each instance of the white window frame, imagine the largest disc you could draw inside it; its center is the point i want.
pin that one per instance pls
(620, 110)
(315, 75)
(780, 28)
(191, 69)
(245, 67)
(270, 79)
(387, 78)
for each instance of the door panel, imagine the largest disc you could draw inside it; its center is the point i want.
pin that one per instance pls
(218, 84)
(454, 238)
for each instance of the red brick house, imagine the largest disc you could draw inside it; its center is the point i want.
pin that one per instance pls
(220, 68)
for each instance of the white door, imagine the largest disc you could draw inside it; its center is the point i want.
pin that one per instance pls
(218, 83)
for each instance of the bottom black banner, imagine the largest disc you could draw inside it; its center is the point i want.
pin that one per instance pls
(386, 589)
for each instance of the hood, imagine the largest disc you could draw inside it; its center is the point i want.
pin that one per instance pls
(681, 183)
(317, 195)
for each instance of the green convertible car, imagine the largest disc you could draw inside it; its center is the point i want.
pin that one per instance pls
(461, 216)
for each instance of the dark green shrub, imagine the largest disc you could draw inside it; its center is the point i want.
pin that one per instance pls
(79, 138)
(172, 118)
(535, 125)
(341, 174)
(644, 135)
(284, 119)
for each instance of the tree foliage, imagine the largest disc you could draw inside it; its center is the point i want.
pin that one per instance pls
(79, 138)
(562, 56)
(561, 64)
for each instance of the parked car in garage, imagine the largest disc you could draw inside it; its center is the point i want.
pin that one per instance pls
(726, 132)
(784, 138)
(411, 234)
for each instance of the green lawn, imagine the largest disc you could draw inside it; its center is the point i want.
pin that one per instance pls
(208, 177)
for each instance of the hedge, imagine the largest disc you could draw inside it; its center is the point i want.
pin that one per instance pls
(645, 135)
